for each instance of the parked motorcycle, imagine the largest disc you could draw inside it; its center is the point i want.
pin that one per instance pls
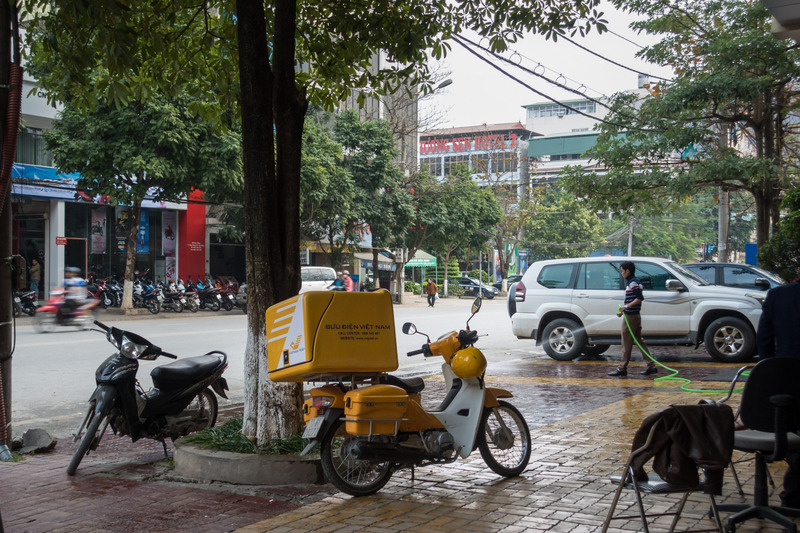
(181, 401)
(369, 424)
(25, 302)
(99, 288)
(192, 299)
(228, 290)
(54, 314)
(170, 298)
(210, 297)
(146, 295)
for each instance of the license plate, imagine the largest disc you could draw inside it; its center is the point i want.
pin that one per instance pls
(219, 297)
(16, 299)
(183, 300)
(313, 428)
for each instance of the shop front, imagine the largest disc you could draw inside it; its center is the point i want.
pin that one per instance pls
(60, 226)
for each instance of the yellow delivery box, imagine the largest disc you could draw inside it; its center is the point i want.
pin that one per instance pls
(319, 334)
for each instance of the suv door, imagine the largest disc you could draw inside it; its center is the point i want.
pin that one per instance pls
(598, 293)
(663, 311)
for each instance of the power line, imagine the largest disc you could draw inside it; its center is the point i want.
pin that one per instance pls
(462, 42)
(611, 60)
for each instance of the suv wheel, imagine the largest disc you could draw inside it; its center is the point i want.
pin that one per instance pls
(563, 339)
(730, 340)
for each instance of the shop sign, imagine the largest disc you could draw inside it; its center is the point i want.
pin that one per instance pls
(61, 241)
(468, 144)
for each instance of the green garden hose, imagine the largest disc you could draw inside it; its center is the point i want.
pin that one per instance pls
(674, 374)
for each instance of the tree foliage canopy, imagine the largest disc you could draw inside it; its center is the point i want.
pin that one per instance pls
(725, 120)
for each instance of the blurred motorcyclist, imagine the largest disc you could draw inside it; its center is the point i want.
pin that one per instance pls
(75, 292)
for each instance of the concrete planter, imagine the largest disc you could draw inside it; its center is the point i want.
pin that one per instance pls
(244, 468)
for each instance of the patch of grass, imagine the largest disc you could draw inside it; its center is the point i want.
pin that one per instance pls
(229, 438)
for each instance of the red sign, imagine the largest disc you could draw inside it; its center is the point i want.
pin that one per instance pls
(468, 144)
(62, 241)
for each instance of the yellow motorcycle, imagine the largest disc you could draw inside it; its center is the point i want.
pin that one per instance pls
(369, 423)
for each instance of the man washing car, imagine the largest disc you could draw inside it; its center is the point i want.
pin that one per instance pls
(632, 323)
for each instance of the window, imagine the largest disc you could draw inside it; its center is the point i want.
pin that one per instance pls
(739, 277)
(556, 276)
(706, 272)
(599, 277)
(452, 162)
(31, 148)
(431, 165)
(504, 162)
(480, 163)
(652, 277)
(556, 110)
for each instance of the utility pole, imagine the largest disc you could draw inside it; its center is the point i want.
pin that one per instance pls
(630, 237)
(5, 225)
(723, 226)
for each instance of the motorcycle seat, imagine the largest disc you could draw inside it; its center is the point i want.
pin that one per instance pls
(410, 385)
(177, 373)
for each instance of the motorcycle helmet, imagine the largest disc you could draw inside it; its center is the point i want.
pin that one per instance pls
(468, 363)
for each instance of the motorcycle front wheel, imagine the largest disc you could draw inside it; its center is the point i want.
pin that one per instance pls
(107, 300)
(192, 305)
(227, 305)
(177, 306)
(94, 432)
(504, 440)
(45, 322)
(153, 306)
(356, 477)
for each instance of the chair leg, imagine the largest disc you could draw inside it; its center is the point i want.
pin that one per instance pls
(617, 495)
(736, 480)
(641, 505)
(678, 512)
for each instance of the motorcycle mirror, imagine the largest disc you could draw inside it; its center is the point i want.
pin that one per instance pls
(409, 328)
(476, 306)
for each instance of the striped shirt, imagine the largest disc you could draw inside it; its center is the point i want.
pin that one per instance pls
(633, 291)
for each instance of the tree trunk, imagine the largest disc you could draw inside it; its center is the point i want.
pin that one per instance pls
(272, 239)
(130, 254)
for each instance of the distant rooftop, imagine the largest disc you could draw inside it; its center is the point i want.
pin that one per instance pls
(488, 128)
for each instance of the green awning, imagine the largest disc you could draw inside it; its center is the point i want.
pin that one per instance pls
(562, 145)
(421, 259)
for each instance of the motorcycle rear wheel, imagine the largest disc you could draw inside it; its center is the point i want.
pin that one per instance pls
(504, 440)
(192, 305)
(213, 304)
(177, 306)
(153, 306)
(226, 304)
(90, 439)
(45, 322)
(203, 409)
(356, 477)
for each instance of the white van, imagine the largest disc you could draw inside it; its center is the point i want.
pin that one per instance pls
(316, 278)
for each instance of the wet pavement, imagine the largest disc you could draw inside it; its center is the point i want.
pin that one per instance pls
(581, 421)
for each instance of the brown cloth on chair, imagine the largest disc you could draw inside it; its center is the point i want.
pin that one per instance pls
(691, 436)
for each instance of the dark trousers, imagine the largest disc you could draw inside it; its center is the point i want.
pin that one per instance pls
(635, 322)
(431, 299)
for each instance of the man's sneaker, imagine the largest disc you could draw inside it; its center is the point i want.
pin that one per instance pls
(619, 373)
(649, 370)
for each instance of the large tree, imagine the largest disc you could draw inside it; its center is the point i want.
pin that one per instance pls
(272, 58)
(155, 148)
(727, 119)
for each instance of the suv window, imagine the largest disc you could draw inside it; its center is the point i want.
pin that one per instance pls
(738, 277)
(652, 277)
(599, 276)
(556, 276)
(706, 272)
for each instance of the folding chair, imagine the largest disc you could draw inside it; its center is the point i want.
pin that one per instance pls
(653, 484)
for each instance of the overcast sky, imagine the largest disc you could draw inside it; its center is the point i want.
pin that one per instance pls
(480, 94)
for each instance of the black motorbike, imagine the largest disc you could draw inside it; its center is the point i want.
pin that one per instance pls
(181, 401)
(25, 302)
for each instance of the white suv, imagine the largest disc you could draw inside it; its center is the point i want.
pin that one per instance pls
(570, 307)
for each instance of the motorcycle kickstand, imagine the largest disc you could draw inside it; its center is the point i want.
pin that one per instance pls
(412, 473)
(164, 444)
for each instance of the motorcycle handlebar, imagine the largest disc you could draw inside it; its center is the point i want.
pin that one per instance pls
(166, 354)
(101, 325)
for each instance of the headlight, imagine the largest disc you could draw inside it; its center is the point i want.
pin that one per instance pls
(130, 349)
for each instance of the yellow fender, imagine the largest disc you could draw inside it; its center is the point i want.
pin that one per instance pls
(492, 395)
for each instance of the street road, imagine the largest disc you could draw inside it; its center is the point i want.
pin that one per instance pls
(53, 373)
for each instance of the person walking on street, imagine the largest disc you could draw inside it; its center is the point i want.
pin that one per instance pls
(348, 281)
(431, 289)
(632, 323)
(777, 337)
(36, 275)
